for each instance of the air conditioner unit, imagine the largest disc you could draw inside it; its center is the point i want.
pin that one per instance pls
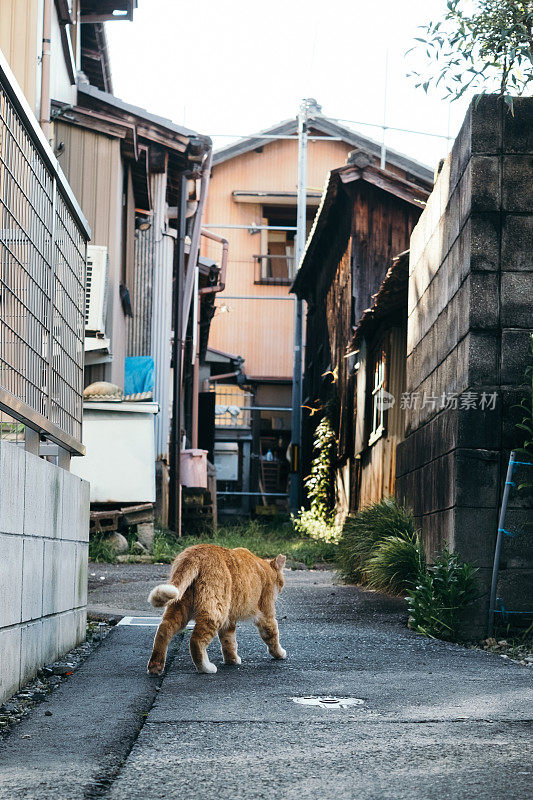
(96, 288)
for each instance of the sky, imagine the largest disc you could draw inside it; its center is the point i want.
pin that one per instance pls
(237, 66)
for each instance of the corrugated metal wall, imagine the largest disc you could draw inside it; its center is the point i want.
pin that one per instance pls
(138, 327)
(93, 166)
(20, 41)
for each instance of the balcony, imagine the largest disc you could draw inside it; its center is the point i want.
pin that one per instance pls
(273, 270)
(233, 407)
(43, 238)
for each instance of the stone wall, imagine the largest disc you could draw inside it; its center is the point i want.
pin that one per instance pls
(44, 534)
(470, 314)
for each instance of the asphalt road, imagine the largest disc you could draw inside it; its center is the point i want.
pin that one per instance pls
(436, 721)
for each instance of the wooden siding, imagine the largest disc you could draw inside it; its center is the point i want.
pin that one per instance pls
(339, 322)
(382, 225)
(260, 331)
(93, 166)
(378, 462)
(367, 228)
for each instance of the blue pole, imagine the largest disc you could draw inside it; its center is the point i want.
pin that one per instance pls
(497, 551)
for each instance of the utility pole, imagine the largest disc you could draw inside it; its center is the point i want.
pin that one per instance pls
(301, 216)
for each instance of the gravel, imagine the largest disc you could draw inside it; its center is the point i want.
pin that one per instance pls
(47, 680)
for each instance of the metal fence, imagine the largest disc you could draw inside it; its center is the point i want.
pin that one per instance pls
(43, 237)
(274, 270)
(232, 407)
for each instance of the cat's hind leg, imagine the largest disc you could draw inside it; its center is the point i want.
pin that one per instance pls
(228, 642)
(202, 635)
(269, 633)
(174, 619)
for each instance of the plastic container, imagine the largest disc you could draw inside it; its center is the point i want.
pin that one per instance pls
(194, 469)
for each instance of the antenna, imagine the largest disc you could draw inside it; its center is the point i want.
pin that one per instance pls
(383, 147)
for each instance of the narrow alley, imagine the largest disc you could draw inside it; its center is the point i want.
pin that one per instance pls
(436, 719)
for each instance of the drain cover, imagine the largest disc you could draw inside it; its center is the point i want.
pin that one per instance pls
(328, 702)
(144, 622)
(147, 622)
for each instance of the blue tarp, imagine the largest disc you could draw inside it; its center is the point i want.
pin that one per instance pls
(138, 374)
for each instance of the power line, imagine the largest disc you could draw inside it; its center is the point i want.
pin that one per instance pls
(290, 137)
(331, 138)
(391, 128)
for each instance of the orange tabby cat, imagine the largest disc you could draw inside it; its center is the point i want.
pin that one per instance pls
(217, 587)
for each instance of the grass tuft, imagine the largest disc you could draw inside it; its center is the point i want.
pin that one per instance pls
(396, 564)
(100, 551)
(266, 540)
(362, 532)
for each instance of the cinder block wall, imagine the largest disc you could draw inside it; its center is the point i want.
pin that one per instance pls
(470, 314)
(44, 534)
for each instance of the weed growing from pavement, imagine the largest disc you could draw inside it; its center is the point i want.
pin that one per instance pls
(100, 551)
(510, 644)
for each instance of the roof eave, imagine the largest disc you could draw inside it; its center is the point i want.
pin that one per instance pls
(331, 128)
(142, 115)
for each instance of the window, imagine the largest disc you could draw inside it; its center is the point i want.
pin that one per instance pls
(378, 405)
(275, 264)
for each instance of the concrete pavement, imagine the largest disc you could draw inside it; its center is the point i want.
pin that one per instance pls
(437, 721)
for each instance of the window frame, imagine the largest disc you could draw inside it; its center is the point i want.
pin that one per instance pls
(377, 387)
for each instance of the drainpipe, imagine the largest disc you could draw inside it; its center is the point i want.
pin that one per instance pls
(221, 285)
(175, 439)
(45, 68)
(161, 326)
(195, 244)
(196, 381)
(215, 378)
(218, 287)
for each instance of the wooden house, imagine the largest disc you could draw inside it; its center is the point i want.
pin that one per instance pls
(252, 202)
(356, 319)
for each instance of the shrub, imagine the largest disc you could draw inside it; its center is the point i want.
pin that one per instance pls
(396, 564)
(362, 532)
(439, 599)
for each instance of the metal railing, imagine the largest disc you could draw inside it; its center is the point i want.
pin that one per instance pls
(274, 270)
(233, 407)
(43, 238)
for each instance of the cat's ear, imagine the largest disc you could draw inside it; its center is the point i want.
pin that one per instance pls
(280, 561)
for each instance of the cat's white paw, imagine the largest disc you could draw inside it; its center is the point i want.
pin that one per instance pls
(280, 654)
(238, 660)
(208, 668)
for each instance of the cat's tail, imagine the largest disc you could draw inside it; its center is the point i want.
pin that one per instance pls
(166, 592)
(163, 594)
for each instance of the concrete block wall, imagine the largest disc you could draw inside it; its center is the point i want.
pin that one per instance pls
(44, 535)
(470, 313)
